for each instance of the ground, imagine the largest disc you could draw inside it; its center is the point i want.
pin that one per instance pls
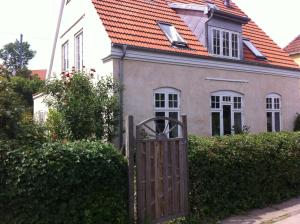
(284, 213)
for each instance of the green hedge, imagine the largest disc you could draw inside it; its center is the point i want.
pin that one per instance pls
(80, 182)
(236, 173)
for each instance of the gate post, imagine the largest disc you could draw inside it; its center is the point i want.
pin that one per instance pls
(130, 160)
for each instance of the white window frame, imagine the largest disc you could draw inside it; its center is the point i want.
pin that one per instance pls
(65, 56)
(221, 102)
(273, 109)
(221, 31)
(78, 51)
(166, 109)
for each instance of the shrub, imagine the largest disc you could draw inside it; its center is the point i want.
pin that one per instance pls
(87, 110)
(236, 173)
(297, 123)
(81, 182)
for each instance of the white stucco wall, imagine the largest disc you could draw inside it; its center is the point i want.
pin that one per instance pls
(40, 109)
(81, 15)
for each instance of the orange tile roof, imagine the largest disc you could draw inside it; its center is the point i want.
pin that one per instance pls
(40, 73)
(134, 23)
(293, 47)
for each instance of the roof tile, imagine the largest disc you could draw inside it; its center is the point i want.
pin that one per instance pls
(134, 22)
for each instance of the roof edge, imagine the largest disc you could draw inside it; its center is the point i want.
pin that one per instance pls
(118, 45)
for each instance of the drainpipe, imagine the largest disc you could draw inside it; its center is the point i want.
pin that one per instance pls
(212, 11)
(55, 38)
(121, 80)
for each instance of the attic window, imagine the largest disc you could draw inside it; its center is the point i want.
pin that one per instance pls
(172, 34)
(253, 49)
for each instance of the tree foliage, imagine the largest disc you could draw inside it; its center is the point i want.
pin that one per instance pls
(14, 58)
(16, 118)
(86, 110)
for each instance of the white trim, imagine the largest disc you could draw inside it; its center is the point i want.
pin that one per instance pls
(273, 110)
(38, 95)
(226, 80)
(194, 7)
(180, 60)
(221, 42)
(233, 110)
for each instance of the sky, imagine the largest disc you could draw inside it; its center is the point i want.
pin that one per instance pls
(37, 19)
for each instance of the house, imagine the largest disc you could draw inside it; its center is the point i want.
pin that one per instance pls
(293, 49)
(41, 73)
(202, 58)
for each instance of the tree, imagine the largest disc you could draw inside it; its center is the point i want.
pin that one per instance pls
(16, 56)
(83, 110)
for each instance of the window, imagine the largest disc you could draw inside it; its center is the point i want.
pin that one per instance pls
(253, 49)
(226, 112)
(65, 56)
(273, 107)
(172, 34)
(225, 43)
(79, 51)
(167, 104)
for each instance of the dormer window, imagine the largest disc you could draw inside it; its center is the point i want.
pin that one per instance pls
(253, 49)
(172, 34)
(225, 43)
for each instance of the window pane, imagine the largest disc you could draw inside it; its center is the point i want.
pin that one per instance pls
(226, 98)
(238, 123)
(215, 101)
(225, 43)
(216, 42)
(173, 101)
(174, 132)
(65, 57)
(160, 124)
(159, 100)
(172, 34)
(235, 45)
(269, 122)
(269, 103)
(276, 103)
(79, 51)
(237, 102)
(215, 123)
(277, 121)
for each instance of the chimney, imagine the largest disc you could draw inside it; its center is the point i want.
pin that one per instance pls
(227, 3)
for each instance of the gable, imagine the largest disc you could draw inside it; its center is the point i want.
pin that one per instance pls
(134, 23)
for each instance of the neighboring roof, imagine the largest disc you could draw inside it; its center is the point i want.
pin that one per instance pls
(134, 23)
(40, 73)
(293, 47)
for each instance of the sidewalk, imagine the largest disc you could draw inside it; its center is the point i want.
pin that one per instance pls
(285, 213)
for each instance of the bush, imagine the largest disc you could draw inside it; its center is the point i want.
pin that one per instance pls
(297, 123)
(236, 173)
(81, 182)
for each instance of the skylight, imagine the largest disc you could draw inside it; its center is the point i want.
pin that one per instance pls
(172, 34)
(253, 49)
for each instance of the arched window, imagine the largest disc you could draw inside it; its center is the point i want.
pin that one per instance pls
(226, 112)
(273, 109)
(167, 104)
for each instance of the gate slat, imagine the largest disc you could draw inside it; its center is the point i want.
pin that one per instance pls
(166, 179)
(148, 180)
(156, 179)
(140, 205)
(174, 192)
(182, 179)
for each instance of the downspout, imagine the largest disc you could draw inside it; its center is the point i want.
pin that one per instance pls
(121, 80)
(56, 38)
(206, 24)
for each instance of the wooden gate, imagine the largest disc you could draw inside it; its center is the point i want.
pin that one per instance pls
(161, 170)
